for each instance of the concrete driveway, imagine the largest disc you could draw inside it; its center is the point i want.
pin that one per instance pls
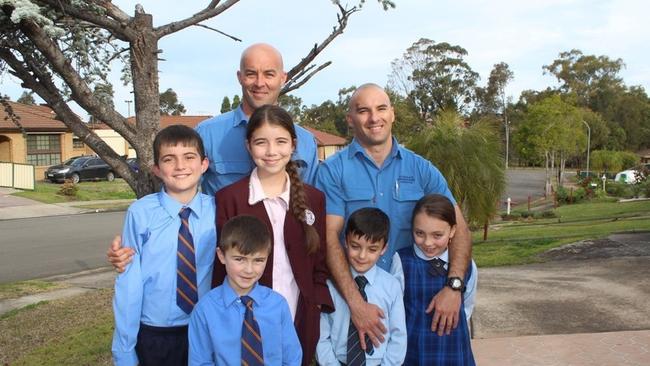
(585, 287)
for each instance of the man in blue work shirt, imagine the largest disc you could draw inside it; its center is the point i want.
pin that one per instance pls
(374, 170)
(261, 75)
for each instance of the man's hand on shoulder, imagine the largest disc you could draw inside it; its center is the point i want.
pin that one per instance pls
(118, 256)
(446, 307)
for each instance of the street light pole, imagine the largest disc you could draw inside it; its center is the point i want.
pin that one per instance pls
(128, 107)
(588, 144)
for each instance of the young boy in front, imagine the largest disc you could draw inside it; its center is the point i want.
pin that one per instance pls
(366, 234)
(173, 235)
(242, 322)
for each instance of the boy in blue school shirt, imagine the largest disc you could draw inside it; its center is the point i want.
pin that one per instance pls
(242, 322)
(173, 235)
(366, 236)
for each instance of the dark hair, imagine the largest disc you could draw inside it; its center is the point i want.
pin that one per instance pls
(436, 205)
(245, 233)
(174, 135)
(276, 116)
(369, 223)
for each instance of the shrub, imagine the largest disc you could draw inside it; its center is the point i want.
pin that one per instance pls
(548, 214)
(68, 189)
(618, 189)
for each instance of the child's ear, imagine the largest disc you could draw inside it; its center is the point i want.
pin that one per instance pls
(452, 232)
(221, 256)
(204, 165)
(385, 248)
(248, 146)
(155, 169)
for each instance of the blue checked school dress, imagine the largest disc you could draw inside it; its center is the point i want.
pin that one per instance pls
(425, 347)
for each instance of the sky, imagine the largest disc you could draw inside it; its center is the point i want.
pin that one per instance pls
(200, 65)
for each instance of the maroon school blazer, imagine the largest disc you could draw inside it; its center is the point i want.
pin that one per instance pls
(310, 271)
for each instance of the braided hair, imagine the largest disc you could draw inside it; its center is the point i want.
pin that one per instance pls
(277, 116)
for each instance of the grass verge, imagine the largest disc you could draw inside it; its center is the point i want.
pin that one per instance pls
(88, 191)
(73, 331)
(511, 243)
(19, 289)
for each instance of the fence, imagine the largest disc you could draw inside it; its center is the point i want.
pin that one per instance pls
(19, 176)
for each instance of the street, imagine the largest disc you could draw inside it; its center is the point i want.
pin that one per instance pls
(46, 246)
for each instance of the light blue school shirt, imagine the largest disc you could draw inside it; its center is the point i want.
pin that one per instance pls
(146, 291)
(469, 296)
(216, 327)
(224, 139)
(382, 290)
(351, 180)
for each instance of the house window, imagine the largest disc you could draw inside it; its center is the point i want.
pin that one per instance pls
(43, 149)
(77, 143)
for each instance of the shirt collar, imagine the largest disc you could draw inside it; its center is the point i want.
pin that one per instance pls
(230, 297)
(256, 192)
(370, 274)
(239, 117)
(356, 148)
(173, 207)
(420, 254)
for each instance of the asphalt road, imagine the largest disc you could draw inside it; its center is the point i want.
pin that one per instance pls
(46, 246)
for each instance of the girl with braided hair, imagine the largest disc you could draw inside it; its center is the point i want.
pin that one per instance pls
(294, 213)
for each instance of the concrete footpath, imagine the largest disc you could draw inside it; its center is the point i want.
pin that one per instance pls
(542, 314)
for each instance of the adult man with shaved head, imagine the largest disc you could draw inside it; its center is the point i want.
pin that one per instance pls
(375, 171)
(261, 76)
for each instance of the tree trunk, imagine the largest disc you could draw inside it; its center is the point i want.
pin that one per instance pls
(547, 180)
(144, 70)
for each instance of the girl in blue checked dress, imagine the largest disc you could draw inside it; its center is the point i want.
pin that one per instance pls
(424, 265)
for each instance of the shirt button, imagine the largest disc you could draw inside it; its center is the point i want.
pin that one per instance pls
(381, 194)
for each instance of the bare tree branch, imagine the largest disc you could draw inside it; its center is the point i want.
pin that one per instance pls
(218, 31)
(80, 91)
(213, 9)
(41, 82)
(297, 84)
(115, 20)
(342, 18)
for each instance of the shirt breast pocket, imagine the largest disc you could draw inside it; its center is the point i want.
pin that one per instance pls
(356, 198)
(406, 197)
(232, 167)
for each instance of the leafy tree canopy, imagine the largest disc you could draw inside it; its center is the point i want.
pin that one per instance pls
(170, 105)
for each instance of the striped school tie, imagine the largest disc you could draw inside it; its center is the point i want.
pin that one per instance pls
(437, 267)
(251, 340)
(355, 355)
(186, 292)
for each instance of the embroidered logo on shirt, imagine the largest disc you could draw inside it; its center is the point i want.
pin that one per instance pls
(406, 179)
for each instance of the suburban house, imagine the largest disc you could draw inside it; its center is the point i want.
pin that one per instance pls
(328, 144)
(35, 136)
(644, 155)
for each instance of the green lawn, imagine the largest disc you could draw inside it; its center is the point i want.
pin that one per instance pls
(519, 242)
(88, 191)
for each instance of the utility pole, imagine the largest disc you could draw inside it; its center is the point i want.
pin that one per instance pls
(588, 144)
(128, 107)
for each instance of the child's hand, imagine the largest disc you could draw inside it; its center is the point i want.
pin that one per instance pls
(446, 307)
(119, 257)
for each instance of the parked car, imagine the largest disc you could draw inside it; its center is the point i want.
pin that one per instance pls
(80, 168)
(629, 176)
(133, 164)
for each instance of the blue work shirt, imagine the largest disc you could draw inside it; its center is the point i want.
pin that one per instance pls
(351, 180)
(216, 328)
(382, 290)
(224, 139)
(146, 291)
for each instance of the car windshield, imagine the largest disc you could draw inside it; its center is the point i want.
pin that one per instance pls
(76, 161)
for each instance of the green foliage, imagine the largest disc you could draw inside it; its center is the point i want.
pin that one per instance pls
(236, 101)
(613, 161)
(435, 77)
(225, 105)
(619, 189)
(88, 191)
(68, 189)
(27, 98)
(491, 100)
(330, 116)
(291, 104)
(170, 105)
(470, 159)
(569, 196)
